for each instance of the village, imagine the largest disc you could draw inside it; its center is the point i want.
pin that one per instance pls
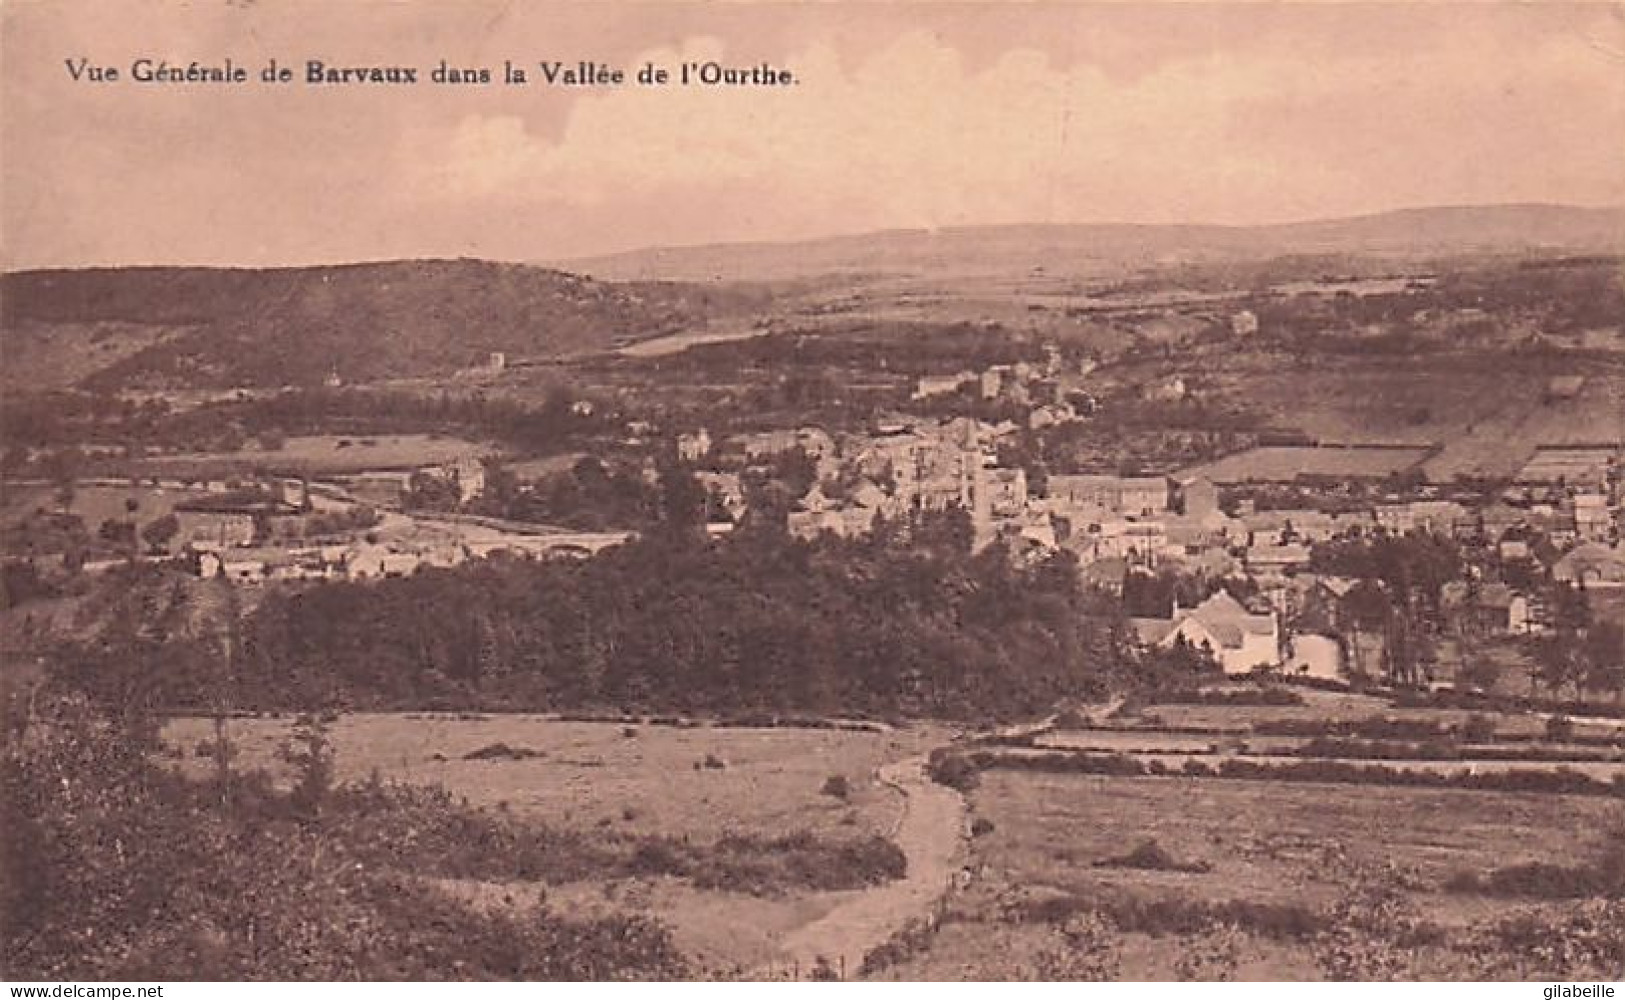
(1245, 556)
(1250, 541)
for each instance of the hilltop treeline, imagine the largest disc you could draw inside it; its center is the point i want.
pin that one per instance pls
(670, 622)
(294, 326)
(63, 420)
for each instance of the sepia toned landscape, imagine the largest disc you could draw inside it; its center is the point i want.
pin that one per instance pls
(635, 599)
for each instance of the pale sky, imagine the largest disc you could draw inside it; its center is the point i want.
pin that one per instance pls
(904, 115)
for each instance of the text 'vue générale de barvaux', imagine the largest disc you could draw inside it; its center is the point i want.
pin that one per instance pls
(338, 74)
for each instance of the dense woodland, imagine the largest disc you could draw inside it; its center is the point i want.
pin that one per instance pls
(909, 623)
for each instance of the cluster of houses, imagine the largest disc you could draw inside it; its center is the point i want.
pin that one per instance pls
(388, 488)
(271, 531)
(1561, 517)
(355, 560)
(1052, 392)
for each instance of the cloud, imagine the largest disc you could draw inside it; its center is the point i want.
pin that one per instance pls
(911, 136)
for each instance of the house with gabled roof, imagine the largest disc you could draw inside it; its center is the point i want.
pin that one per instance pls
(1592, 564)
(1239, 640)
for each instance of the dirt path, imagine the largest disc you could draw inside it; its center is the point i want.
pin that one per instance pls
(931, 832)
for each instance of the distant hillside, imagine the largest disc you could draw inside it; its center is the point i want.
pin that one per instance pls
(220, 327)
(1107, 249)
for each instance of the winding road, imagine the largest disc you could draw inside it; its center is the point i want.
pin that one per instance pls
(931, 832)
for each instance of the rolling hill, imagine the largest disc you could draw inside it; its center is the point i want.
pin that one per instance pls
(206, 327)
(1115, 248)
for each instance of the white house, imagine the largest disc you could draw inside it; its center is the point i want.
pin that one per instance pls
(1240, 640)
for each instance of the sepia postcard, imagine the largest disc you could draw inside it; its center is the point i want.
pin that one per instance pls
(839, 491)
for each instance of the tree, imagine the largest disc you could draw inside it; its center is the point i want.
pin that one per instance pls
(1480, 672)
(117, 533)
(1558, 661)
(1365, 609)
(682, 500)
(1604, 656)
(426, 491)
(158, 532)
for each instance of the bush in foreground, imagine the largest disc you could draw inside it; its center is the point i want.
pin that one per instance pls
(112, 869)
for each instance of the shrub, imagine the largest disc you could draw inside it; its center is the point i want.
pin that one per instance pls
(909, 940)
(953, 770)
(798, 861)
(1587, 942)
(1211, 956)
(1149, 855)
(502, 751)
(1478, 728)
(1071, 718)
(836, 786)
(1373, 935)
(1559, 728)
(1603, 877)
(241, 891)
(1374, 728)
(1354, 749)
(981, 826)
(209, 748)
(658, 856)
(1086, 949)
(1270, 696)
(310, 753)
(1559, 780)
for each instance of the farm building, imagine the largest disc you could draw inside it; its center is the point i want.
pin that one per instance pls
(1127, 496)
(695, 446)
(1564, 387)
(941, 385)
(1592, 565)
(223, 520)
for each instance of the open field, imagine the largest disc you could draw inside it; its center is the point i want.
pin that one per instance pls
(1268, 841)
(93, 504)
(588, 775)
(596, 777)
(334, 453)
(1482, 415)
(1284, 463)
(1260, 842)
